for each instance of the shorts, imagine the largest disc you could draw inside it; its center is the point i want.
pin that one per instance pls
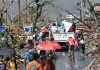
(83, 48)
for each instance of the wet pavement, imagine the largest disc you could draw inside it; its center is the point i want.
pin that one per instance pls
(63, 62)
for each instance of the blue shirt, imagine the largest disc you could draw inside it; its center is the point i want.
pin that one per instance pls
(26, 55)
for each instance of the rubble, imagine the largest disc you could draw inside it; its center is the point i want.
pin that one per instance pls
(94, 51)
(94, 65)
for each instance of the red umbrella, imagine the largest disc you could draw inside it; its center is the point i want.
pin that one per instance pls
(80, 28)
(45, 30)
(48, 45)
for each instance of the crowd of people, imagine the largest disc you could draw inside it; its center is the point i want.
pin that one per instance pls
(33, 61)
(78, 41)
(42, 60)
(10, 63)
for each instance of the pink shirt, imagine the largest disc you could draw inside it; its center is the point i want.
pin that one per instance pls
(71, 41)
(45, 68)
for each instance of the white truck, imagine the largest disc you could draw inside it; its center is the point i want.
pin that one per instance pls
(62, 37)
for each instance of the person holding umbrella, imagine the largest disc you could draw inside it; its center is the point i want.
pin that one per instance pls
(49, 65)
(42, 59)
(48, 45)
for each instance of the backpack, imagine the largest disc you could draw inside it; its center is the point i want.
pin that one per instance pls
(31, 56)
(33, 66)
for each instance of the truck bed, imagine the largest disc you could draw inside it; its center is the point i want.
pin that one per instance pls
(62, 37)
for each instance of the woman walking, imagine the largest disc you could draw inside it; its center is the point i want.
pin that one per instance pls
(49, 64)
(82, 46)
(12, 64)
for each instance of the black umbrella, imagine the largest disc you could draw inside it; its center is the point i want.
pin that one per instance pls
(7, 52)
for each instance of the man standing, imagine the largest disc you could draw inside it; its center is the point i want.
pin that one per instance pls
(82, 46)
(71, 43)
(42, 59)
(29, 55)
(2, 64)
(33, 65)
(30, 42)
(53, 28)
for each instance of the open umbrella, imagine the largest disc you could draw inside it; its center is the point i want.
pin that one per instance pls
(80, 28)
(7, 52)
(45, 30)
(48, 45)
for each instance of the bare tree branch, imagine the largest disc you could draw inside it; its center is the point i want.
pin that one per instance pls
(46, 2)
(40, 11)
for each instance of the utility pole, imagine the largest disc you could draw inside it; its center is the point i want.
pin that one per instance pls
(81, 11)
(19, 11)
(7, 14)
(19, 16)
(26, 11)
(6, 11)
(12, 13)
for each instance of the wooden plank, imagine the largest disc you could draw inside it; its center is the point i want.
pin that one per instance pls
(89, 66)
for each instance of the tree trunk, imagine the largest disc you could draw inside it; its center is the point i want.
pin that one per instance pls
(35, 21)
(38, 14)
(80, 15)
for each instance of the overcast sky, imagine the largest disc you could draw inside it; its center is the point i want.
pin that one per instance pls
(63, 4)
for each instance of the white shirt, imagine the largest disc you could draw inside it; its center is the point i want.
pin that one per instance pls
(40, 34)
(29, 38)
(82, 42)
(53, 28)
